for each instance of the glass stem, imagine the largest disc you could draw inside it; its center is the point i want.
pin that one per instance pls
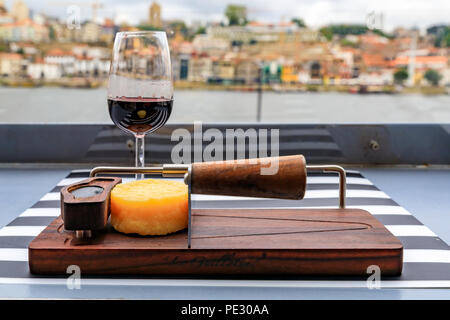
(140, 155)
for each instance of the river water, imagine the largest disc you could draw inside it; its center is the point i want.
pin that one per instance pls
(59, 105)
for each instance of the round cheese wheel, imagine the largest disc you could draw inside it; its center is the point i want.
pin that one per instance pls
(149, 207)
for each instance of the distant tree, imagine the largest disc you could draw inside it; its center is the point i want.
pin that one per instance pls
(147, 27)
(299, 22)
(4, 47)
(237, 43)
(400, 76)
(179, 26)
(446, 39)
(51, 33)
(236, 14)
(433, 76)
(442, 37)
(201, 30)
(327, 33)
(382, 33)
(345, 29)
(436, 29)
(346, 43)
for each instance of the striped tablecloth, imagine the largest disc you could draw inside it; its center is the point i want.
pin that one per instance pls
(315, 142)
(426, 256)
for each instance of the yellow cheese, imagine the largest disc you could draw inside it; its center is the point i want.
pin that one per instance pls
(149, 207)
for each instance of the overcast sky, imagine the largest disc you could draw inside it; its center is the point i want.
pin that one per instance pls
(406, 13)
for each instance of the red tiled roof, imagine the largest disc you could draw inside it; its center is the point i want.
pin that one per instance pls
(11, 56)
(58, 53)
(350, 49)
(25, 22)
(255, 24)
(374, 60)
(80, 57)
(372, 39)
(108, 23)
(404, 60)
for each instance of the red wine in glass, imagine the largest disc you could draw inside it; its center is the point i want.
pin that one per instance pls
(140, 86)
(139, 115)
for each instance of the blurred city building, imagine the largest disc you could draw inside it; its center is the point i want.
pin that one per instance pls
(20, 10)
(243, 52)
(154, 17)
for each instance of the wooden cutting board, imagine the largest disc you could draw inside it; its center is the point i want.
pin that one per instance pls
(231, 241)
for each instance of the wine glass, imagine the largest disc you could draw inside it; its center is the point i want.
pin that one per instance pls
(140, 88)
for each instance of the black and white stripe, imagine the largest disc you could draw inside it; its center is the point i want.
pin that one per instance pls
(426, 256)
(315, 142)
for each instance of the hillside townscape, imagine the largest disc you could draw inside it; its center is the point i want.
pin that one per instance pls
(37, 49)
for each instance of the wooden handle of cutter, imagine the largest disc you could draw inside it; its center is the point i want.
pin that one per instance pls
(276, 177)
